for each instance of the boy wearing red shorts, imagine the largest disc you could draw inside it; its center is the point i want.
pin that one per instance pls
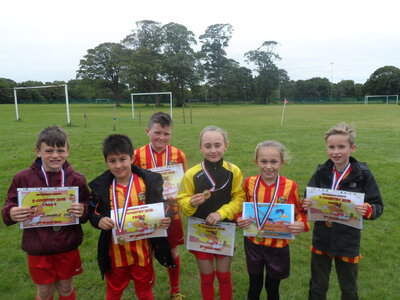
(53, 255)
(122, 186)
(159, 153)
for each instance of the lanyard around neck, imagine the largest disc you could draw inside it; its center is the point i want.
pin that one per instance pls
(336, 181)
(153, 157)
(212, 181)
(62, 181)
(120, 218)
(261, 221)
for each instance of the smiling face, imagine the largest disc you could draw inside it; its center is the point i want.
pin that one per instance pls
(269, 161)
(339, 150)
(159, 136)
(120, 166)
(53, 157)
(213, 146)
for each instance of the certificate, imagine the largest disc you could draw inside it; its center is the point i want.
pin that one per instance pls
(141, 222)
(276, 226)
(334, 206)
(48, 206)
(172, 176)
(217, 239)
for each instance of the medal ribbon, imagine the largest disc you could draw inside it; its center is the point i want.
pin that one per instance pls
(120, 218)
(336, 182)
(153, 158)
(212, 189)
(62, 184)
(272, 202)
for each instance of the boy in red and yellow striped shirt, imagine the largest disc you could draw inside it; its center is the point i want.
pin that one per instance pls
(159, 153)
(125, 185)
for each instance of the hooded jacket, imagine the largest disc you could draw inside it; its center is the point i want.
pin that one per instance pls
(45, 240)
(342, 240)
(100, 207)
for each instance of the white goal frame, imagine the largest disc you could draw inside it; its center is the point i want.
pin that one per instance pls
(381, 96)
(102, 100)
(42, 87)
(156, 93)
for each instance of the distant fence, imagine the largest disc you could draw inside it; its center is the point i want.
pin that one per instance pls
(196, 102)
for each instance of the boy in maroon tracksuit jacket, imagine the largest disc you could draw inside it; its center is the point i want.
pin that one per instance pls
(53, 255)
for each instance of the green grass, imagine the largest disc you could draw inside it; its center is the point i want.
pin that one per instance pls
(378, 141)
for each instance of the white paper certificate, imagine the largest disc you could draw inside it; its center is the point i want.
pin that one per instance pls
(217, 239)
(141, 222)
(335, 206)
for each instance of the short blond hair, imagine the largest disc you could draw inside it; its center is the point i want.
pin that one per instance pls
(344, 129)
(284, 153)
(217, 129)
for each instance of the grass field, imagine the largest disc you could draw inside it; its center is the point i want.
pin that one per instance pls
(378, 141)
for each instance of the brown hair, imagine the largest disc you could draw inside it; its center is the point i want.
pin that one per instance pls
(52, 136)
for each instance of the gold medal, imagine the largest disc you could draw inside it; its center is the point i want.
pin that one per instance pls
(121, 240)
(56, 228)
(207, 194)
(259, 237)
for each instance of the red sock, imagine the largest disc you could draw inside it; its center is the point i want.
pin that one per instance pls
(72, 296)
(174, 275)
(225, 285)
(207, 285)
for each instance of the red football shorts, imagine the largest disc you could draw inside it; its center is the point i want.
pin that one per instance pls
(119, 278)
(46, 269)
(205, 255)
(175, 233)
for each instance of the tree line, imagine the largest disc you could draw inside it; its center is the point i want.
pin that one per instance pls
(155, 57)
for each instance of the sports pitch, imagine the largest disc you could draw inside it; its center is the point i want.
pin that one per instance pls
(302, 131)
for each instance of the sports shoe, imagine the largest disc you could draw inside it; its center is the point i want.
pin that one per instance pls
(177, 296)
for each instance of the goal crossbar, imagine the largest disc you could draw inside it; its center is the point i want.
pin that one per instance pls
(42, 87)
(154, 93)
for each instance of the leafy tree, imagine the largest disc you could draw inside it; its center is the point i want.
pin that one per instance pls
(88, 89)
(214, 41)
(144, 60)
(6, 90)
(316, 87)
(238, 82)
(384, 81)
(268, 78)
(105, 63)
(346, 88)
(179, 62)
(284, 84)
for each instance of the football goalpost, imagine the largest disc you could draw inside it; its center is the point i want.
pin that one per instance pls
(102, 100)
(396, 97)
(42, 87)
(146, 94)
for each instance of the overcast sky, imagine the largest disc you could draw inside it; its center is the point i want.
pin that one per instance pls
(341, 40)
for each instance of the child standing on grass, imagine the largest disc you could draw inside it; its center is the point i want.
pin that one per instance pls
(212, 190)
(269, 253)
(159, 153)
(126, 185)
(53, 255)
(334, 241)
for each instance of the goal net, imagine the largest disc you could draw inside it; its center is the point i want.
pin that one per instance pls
(42, 87)
(136, 96)
(381, 99)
